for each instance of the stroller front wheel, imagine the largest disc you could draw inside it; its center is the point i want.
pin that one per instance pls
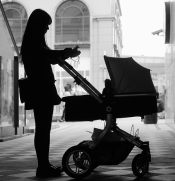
(140, 165)
(77, 162)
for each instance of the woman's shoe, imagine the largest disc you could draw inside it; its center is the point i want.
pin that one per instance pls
(57, 167)
(61, 120)
(48, 171)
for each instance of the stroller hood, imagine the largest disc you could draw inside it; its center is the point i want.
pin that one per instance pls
(128, 76)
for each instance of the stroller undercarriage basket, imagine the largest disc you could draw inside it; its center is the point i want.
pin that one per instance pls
(113, 150)
(112, 153)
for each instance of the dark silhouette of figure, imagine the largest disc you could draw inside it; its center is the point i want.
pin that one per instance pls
(69, 86)
(108, 90)
(37, 58)
(66, 93)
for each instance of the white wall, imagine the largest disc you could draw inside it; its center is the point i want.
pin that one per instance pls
(170, 69)
(102, 38)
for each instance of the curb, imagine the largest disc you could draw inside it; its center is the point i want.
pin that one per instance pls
(32, 129)
(28, 131)
(13, 137)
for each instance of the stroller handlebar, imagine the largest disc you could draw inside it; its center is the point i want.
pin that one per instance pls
(80, 80)
(139, 94)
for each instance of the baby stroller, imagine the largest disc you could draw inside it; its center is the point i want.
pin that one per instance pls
(129, 92)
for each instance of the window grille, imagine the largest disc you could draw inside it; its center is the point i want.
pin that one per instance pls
(72, 22)
(17, 17)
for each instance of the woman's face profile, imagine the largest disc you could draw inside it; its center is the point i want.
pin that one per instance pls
(46, 28)
(40, 21)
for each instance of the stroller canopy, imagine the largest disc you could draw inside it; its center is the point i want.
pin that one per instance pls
(127, 76)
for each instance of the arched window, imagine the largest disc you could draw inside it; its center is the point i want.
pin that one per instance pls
(17, 17)
(72, 22)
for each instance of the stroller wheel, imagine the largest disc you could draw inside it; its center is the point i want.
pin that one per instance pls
(77, 162)
(140, 165)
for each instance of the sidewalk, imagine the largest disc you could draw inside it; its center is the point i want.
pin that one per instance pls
(18, 157)
(31, 130)
(62, 125)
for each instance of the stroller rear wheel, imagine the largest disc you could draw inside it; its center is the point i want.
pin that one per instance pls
(140, 165)
(77, 162)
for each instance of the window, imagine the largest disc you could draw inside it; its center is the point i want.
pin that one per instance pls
(72, 22)
(17, 17)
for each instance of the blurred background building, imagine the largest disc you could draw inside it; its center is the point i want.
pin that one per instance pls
(169, 29)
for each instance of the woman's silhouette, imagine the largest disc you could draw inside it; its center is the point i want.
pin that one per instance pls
(37, 58)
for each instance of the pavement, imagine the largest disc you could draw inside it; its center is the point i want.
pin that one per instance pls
(18, 160)
(31, 129)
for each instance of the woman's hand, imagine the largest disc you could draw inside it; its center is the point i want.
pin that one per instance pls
(69, 52)
(75, 52)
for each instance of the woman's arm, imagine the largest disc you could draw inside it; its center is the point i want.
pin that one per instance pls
(53, 55)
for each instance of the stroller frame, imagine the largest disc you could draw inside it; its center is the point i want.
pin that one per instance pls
(85, 159)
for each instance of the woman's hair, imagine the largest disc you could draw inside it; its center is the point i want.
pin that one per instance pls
(34, 32)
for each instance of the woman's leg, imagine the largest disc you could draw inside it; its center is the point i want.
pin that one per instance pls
(63, 115)
(43, 120)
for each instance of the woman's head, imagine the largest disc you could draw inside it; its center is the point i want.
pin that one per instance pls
(36, 28)
(38, 21)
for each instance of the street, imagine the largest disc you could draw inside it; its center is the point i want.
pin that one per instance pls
(18, 159)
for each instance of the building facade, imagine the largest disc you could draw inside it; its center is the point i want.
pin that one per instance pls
(170, 61)
(94, 26)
